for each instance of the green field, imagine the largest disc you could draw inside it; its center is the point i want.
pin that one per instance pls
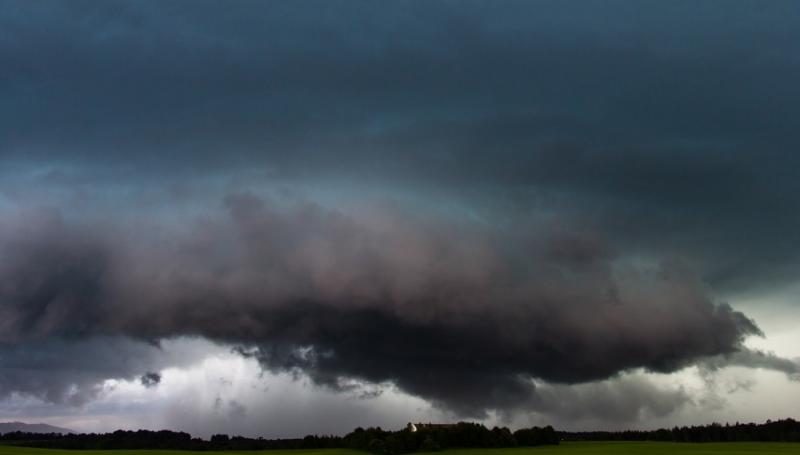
(589, 448)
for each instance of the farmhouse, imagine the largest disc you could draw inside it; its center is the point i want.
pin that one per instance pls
(414, 427)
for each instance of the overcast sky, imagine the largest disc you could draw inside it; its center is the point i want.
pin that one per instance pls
(280, 218)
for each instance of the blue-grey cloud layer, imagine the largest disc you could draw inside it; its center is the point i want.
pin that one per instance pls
(670, 121)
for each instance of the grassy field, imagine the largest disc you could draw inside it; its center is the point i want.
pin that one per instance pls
(635, 448)
(577, 448)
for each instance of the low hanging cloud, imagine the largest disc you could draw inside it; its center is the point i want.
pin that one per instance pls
(458, 313)
(754, 358)
(72, 370)
(623, 399)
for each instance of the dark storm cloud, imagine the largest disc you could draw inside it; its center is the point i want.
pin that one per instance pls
(451, 311)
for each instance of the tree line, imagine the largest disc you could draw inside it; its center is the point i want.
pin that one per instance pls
(786, 430)
(163, 440)
(460, 435)
(425, 439)
(373, 440)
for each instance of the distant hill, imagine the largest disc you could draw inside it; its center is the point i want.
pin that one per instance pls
(8, 427)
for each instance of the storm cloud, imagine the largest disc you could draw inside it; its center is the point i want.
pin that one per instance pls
(455, 312)
(491, 207)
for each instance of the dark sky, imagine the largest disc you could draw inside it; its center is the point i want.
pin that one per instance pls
(510, 210)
